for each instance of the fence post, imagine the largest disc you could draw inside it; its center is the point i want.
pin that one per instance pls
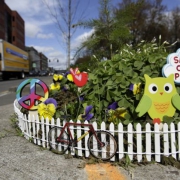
(38, 130)
(130, 141)
(86, 141)
(120, 141)
(29, 126)
(166, 139)
(34, 128)
(148, 142)
(47, 131)
(139, 142)
(26, 133)
(173, 141)
(111, 129)
(43, 133)
(79, 144)
(179, 140)
(157, 143)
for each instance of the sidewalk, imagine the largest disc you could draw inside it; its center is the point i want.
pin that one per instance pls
(22, 160)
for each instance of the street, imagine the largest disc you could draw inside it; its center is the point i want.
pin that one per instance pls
(8, 88)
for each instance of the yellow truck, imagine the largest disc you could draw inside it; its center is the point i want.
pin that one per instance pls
(14, 62)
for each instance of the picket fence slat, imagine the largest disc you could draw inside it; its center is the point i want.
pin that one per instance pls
(152, 143)
(120, 140)
(38, 131)
(111, 129)
(166, 139)
(47, 130)
(157, 143)
(173, 141)
(86, 141)
(130, 141)
(178, 140)
(139, 143)
(148, 142)
(43, 133)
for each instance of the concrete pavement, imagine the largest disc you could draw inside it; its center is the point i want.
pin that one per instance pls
(22, 160)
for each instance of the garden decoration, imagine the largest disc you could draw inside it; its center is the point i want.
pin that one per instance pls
(173, 66)
(79, 78)
(160, 98)
(32, 100)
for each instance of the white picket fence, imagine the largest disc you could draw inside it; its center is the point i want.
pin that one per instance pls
(155, 142)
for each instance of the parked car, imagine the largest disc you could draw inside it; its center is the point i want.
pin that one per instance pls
(43, 73)
(33, 73)
(51, 73)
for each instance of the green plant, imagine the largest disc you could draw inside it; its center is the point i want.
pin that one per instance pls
(111, 80)
(67, 99)
(14, 123)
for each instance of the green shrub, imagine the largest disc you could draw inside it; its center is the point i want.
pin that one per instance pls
(111, 80)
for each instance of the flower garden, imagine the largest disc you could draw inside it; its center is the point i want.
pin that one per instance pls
(111, 92)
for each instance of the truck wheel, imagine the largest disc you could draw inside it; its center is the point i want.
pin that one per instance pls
(5, 76)
(21, 75)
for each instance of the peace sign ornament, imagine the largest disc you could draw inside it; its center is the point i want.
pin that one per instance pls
(32, 100)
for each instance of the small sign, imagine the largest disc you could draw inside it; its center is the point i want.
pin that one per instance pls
(80, 79)
(32, 100)
(173, 66)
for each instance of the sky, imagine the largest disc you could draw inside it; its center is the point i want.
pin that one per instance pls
(41, 31)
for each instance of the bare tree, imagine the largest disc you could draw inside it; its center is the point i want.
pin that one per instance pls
(65, 13)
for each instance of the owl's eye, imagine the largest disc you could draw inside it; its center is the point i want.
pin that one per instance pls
(153, 88)
(168, 88)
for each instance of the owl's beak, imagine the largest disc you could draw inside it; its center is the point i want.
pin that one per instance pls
(161, 93)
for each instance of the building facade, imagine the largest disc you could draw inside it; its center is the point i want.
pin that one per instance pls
(38, 61)
(12, 30)
(11, 26)
(43, 61)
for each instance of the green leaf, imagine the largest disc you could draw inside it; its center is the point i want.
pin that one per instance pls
(109, 82)
(126, 122)
(138, 64)
(123, 103)
(91, 76)
(108, 97)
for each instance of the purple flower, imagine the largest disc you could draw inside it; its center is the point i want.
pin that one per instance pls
(66, 87)
(113, 106)
(81, 97)
(131, 87)
(87, 115)
(51, 101)
(68, 72)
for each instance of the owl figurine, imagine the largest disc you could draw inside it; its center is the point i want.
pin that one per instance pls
(160, 98)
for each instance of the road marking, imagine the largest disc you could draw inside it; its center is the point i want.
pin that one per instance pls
(4, 93)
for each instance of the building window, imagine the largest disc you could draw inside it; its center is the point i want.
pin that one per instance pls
(13, 18)
(13, 38)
